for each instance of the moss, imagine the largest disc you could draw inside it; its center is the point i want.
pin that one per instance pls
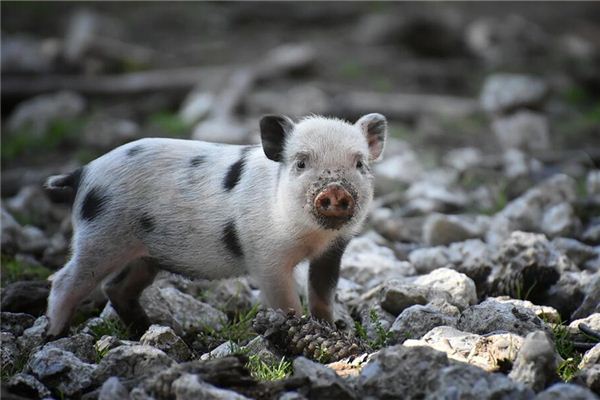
(14, 270)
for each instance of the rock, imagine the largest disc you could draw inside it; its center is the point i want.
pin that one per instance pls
(397, 296)
(351, 366)
(26, 386)
(9, 351)
(416, 321)
(590, 358)
(506, 92)
(592, 321)
(400, 168)
(591, 301)
(536, 363)
(25, 54)
(566, 391)
(171, 307)
(37, 113)
(132, 361)
(592, 234)
(113, 389)
(80, 344)
(524, 130)
(165, 339)
(260, 347)
(589, 369)
(459, 286)
(517, 165)
(426, 196)
(441, 229)
(104, 132)
(560, 220)
(188, 387)
(221, 130)
(31, 201)
(230, 295)
(546, 313)
(35, 335)
(592, 182)
(492, 316)
(525, 213)
(469, 382)
(15, 323)
(196, 105)
(456, 344)
(577, 252)
(10, 230)
(463, 158)
(527, 265)
(566, 295)
(367, 263)
(323, 382)
(61, 370)
(223, 350)
(28, 297)
(32, 240)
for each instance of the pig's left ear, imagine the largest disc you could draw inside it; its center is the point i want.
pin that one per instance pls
(273, 131)
(374, 127)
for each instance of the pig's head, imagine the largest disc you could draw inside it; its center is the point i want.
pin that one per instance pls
(325, 177)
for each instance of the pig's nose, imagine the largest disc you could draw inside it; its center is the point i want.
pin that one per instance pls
(334, 201)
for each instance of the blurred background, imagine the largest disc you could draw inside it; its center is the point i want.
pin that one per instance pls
(484, 100)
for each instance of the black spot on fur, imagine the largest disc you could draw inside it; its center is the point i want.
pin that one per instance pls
(231, 240)
(234, 173)
(93, 204)
(197, 161)
(135, 150)
(147, 222)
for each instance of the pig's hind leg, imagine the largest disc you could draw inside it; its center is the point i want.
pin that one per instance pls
(91, 264)
(124, 290)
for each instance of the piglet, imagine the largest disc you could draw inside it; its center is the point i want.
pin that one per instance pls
(213, 211)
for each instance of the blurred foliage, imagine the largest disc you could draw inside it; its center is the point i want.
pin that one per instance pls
(14, 270)
(24, 141)
(170, 123)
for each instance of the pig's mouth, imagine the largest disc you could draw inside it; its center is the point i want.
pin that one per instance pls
(333, 203)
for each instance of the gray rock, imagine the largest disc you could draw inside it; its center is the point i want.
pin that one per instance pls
(441, 229)
(113, 389)
(416, 321)
(506, 92)
(222, 130)
(591, 234)
(566, 295)
(459, 286)
(28, 297)
(223, 350)
(566, 391)
(132, 361)
(61, 370)
(525, 213)
(32, 239)
(105, 132)
(36, 114)
(9, 351)
(323, 382)
(80, 344)
(546, 313)
(230, 295)
(168, 306)
(536, 362)
(560, 220)
(463, 158)
(27, 386)
(590, 358)
(589, 376)
(190, 387)
(494, 316)
(431, 195)
(25, 54)
(591, 301)
(577, 252)
(397, 296)
(517, 164)
(524, 130)
(35, 335)
(429, 259)
(592, 182)
(400, 372)
(165, 339)
(260, 347)
(9, 230)
(592, 321)
(196, 105)
(367, 263)
(15, 323)
(403, 168)
(469, 382)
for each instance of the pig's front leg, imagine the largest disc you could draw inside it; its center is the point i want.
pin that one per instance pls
(278, 288)
(324, 273)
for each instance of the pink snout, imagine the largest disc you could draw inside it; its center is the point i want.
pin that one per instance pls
(334, 202)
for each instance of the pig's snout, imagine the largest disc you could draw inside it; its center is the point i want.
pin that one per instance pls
(334, 202)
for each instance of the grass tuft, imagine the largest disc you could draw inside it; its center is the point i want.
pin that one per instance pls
(264, 371)
(110, 327)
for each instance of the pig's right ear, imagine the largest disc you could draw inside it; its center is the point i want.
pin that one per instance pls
(273, 131)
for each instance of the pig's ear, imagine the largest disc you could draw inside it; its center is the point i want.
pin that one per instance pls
(273, 131)
(374, 127)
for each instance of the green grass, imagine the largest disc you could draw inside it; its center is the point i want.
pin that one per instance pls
(24, 141)
(14, 270)
(170, 124)
(264, 371)
(110, 327)
(238, 330)
(566, 349)
(382, 335)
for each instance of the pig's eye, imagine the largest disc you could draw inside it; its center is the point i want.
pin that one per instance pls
(300, 164)
(359, 164)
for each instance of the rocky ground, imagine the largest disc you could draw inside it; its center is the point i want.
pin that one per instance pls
(477, 275)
